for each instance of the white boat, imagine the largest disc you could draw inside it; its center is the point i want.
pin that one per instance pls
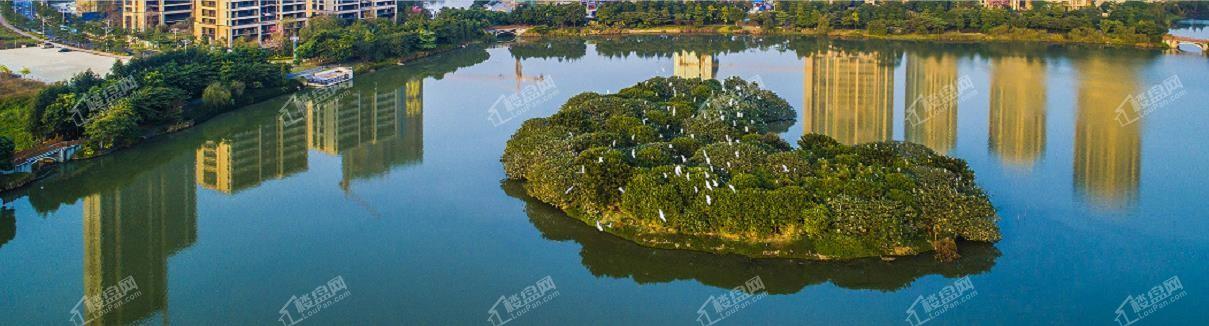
(329, 77)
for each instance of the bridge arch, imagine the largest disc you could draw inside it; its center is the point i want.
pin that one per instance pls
(54, 154)
(1174, 43)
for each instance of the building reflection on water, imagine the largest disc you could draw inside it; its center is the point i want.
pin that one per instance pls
(1016, 132)
(848, 95)
(691, 64)
(272, 150)
(1108, 155)
(928, 75)
(131, 230)
(371, 130)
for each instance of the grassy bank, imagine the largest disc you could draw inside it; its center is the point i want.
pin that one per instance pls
(15, 97)
(10, 39)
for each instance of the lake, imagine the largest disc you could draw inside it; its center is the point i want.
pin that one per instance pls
(385, 202)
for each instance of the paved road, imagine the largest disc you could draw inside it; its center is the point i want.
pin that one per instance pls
(50, 65)
(42, 39)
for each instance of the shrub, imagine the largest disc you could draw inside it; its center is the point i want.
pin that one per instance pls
(217, 96)
(6, 153)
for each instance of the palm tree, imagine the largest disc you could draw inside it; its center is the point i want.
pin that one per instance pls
(24, 71)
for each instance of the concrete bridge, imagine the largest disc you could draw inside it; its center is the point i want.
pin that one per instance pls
(56, 153)
(506, 30)
(1174, 42)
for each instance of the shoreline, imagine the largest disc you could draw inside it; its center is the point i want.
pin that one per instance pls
(717, 244)
(162, 131)
(1031, 36)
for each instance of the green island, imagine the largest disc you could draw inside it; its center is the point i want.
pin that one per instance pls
(695, 164)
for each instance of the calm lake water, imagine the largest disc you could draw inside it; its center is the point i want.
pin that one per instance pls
(395, 188)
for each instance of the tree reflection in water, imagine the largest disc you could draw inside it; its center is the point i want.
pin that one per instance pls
(606, 255)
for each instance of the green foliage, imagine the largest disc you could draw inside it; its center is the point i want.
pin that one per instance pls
(16, 94)
(700, 154)
(115, 127)
(163, 86)
(158, 104)
(1116, 22)
(331, 39)
(7, 147)
(217, 96)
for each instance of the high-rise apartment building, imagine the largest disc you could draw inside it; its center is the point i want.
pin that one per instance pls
(353, 9)
(139, 15)
(224, 21)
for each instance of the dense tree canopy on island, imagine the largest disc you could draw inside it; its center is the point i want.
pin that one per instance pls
(694, 164)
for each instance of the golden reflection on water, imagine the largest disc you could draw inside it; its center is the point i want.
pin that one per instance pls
(371, 130)
(1016, 132)
(1108, 154)
(129, 232)
(928, 75)
(848, 95)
